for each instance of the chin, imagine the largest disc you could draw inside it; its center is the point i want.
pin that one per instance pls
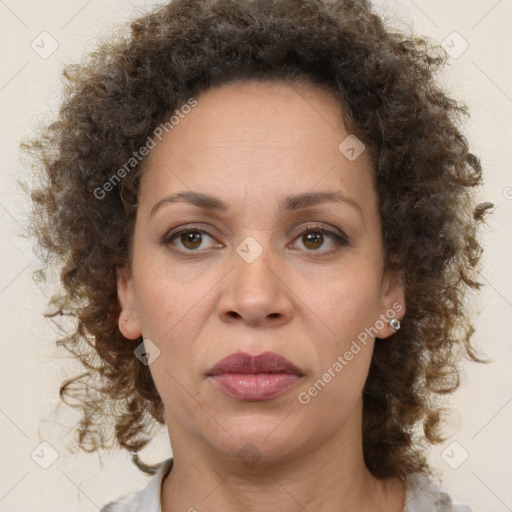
(259, 437)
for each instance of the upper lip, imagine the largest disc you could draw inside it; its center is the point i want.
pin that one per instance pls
(241, 362)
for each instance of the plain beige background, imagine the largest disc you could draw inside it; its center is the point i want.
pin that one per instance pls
(475, 462)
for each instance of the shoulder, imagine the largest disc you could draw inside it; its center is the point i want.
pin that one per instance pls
(422, 495)
(144, 500)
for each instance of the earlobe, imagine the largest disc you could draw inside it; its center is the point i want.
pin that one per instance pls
(129, 324)
(393, 301)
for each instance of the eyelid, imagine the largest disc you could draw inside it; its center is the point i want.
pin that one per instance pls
(322, 227)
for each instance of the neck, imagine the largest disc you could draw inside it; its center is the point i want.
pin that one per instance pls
(331, 477)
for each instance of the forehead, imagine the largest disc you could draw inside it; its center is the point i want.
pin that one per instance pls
(267, 137)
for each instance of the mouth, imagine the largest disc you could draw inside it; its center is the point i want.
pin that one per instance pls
(254, 378)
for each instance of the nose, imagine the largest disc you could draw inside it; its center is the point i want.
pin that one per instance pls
(256, 293)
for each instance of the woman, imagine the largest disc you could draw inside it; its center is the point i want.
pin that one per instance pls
(263, 211)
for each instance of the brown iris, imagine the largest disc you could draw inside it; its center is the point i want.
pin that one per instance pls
(192, 239)
(316, 238)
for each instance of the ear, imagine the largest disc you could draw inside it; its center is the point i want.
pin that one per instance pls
(392, 300)
(129, 323)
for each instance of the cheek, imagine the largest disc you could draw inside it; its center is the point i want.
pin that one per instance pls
(168, 294)
(345, 298)
(348, 306)
(174, 306)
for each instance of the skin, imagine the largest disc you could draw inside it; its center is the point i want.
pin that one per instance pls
(253, 144)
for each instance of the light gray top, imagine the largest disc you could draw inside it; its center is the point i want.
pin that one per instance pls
(421, 496)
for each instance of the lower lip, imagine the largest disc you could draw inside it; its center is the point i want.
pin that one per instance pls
(254, 386)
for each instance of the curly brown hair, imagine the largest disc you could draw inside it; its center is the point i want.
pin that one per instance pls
(425, 176)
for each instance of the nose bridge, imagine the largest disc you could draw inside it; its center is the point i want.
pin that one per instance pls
(254, 278)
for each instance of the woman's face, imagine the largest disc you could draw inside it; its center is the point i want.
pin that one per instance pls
(252, 175)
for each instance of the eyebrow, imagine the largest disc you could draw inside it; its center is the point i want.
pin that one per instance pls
(291, 203)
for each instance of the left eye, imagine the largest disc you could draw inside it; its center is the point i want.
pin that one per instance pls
(314, 237)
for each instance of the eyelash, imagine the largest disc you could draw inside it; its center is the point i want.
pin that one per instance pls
(339, 240)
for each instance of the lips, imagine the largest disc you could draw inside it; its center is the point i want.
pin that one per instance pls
(241, 362)
(254, 378)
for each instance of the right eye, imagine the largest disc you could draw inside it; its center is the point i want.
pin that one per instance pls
(191, 239)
